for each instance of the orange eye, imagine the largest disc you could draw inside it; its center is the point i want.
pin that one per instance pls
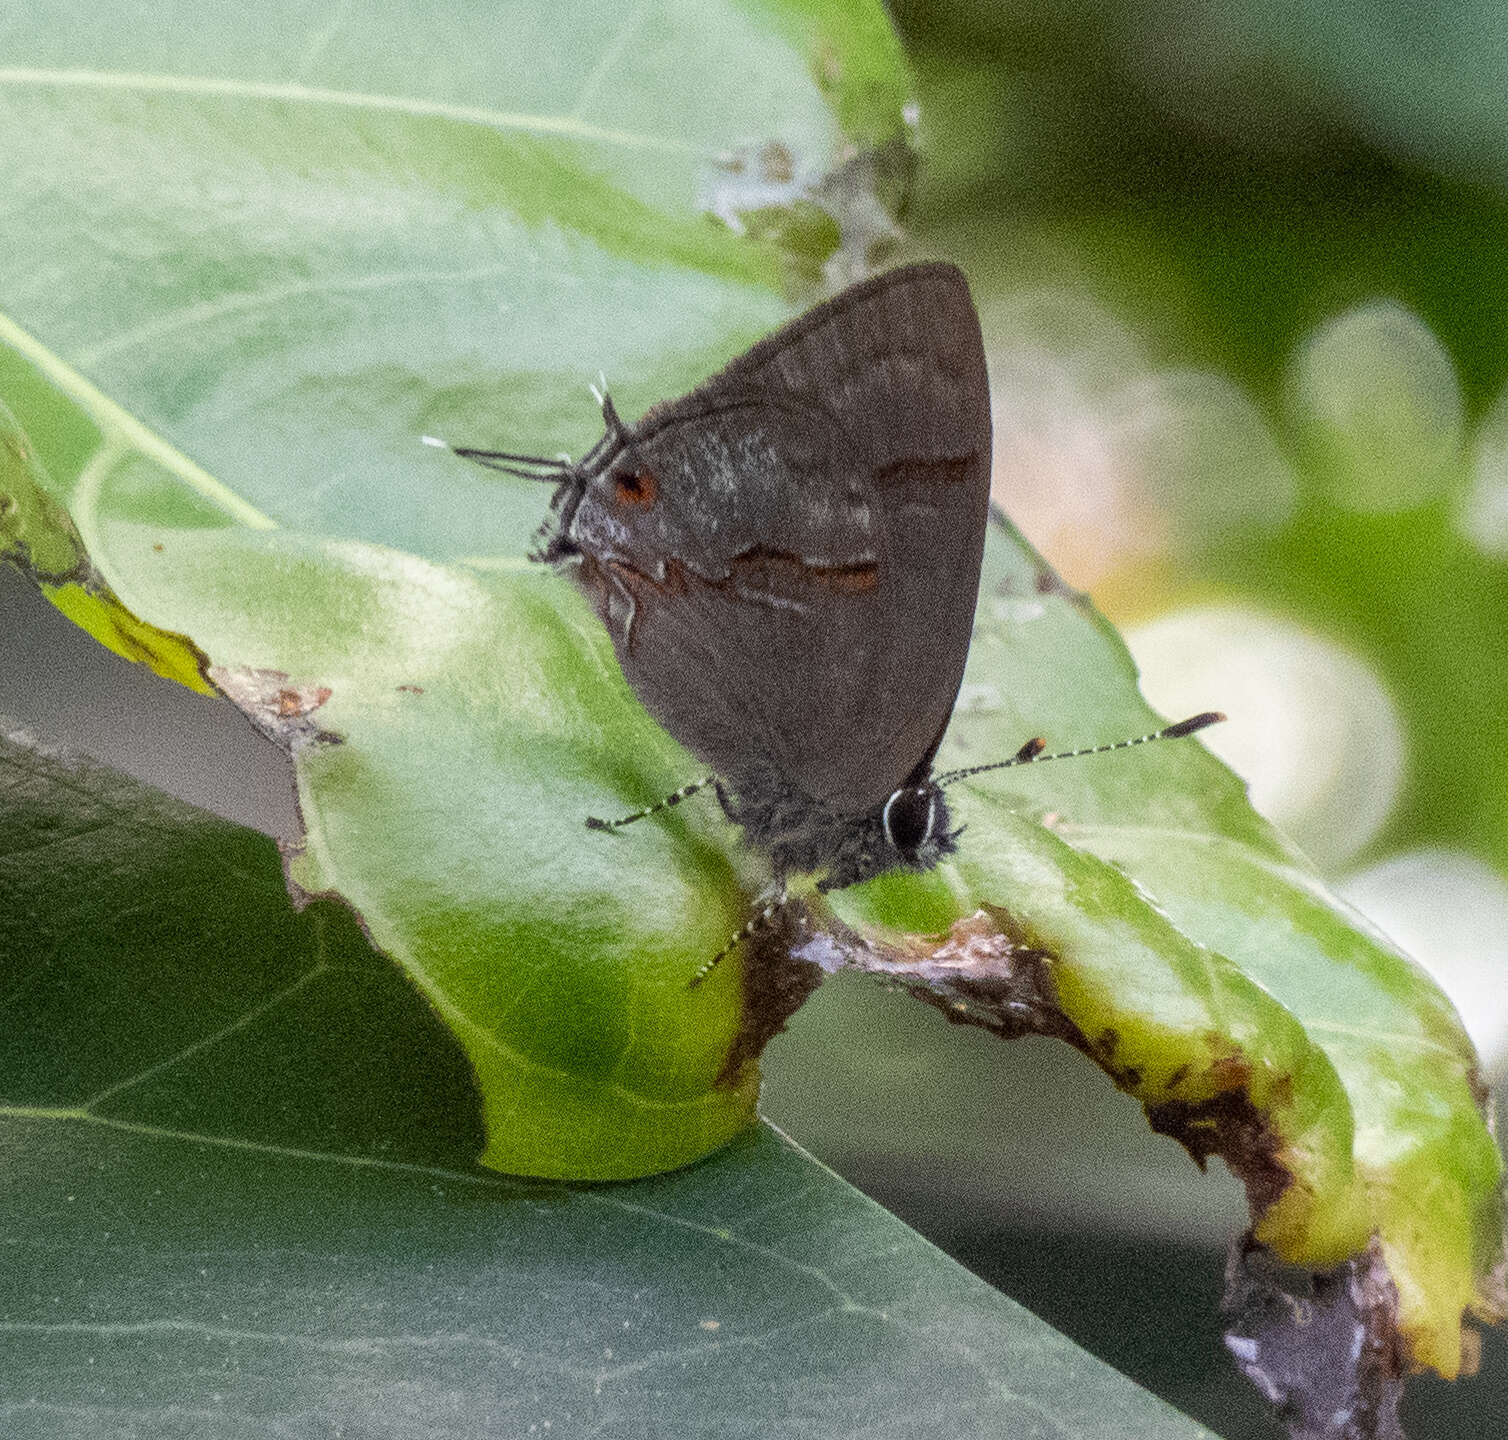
(637, 487)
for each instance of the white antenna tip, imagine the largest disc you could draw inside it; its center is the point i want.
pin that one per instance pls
(434, 440)
(596, 395)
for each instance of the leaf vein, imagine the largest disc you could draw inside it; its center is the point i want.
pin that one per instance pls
(249, 302)
(206, 86)
(243, 1021)
(608, 58)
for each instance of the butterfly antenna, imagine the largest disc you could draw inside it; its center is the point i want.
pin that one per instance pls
(526, 467)
(616, 429)
(1031, 752)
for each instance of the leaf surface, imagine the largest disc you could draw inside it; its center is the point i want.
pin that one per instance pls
(240, 1199)
(254, 259)
(1199, 960)
(251, 262)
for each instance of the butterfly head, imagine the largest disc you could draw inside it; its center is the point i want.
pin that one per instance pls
(916, 826)
(608, 467)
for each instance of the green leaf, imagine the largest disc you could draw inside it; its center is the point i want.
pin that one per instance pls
(1199, 961)
(240, 1198)
(225, 346)
(37, 535)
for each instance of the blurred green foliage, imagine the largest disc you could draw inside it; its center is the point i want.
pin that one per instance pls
(1215, 180)
(1226, 182)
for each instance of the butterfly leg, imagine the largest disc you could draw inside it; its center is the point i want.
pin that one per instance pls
(669, 802)
(763, 918)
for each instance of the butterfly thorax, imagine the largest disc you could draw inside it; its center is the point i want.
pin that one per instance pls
(910, 831)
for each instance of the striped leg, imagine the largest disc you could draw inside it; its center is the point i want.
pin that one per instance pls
(762, 919)
(684, 793)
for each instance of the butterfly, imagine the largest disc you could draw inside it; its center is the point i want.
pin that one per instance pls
(787, 560)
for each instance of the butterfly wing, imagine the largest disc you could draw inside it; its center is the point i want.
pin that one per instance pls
(788, 558)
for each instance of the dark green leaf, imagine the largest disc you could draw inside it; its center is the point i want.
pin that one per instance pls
(240, 1200)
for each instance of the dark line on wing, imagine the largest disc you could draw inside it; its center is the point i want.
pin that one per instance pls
(851, 579)
(912, 470)
(760, 562)
(759, 576)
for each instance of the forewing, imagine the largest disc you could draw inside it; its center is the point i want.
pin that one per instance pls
(800, 593)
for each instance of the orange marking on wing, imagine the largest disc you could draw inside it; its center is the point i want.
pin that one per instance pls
(637, 487)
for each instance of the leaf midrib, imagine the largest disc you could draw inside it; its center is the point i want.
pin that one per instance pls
(122, 432)
(203, 86)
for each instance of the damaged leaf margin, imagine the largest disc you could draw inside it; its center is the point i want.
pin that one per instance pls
(417, 667)
(1321, 1347)
(1208, 970)
(37, 536)
(1253, 1016)
(586, 1071)
(583, 1072)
